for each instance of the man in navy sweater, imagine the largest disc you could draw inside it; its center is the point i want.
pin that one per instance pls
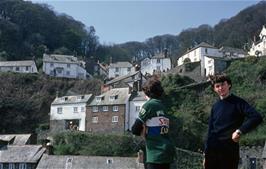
(231, 116)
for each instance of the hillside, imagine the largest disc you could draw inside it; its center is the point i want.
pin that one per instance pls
(191, 105)
(25, 99)
(28, 30)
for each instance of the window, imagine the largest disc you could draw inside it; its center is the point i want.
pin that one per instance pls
(17, 68)
(68, 65)
(22, 166)
(158, 61)
(112, 98)
(109, 161)
(1, 166)
(99, 98)
(82, 109)
(95, 119)
(59, 71)
(75, 109)
(137, 108)
(116, 69)
(114, 119)
(94, 109)
(27, 68)
(158, 68)
(59, 110)
(68, 73)
(128, 69)
(105, 108)
(115, 108)
(206, 50)
(11, 166)
(51, 64)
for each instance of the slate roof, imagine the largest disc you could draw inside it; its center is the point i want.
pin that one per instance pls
(202, 44)
(139, 97)
(17, 63)
(72, 99)
(19, 139)
(121, 93)
(120, 64)
(21, 154)
(232, 50)
(86, 162)
(61, 58)
(119, 78)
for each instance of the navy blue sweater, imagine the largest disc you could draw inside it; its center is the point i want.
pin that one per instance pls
(228, 115)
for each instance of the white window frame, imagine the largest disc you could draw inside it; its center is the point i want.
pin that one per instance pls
(114, 119)
(95, 109)
(1, 165)
(115, 108)
(59, 110)
(22, 166)
(105, 108)
(75, 109)
(11, 166)
(95, 119)
(138, 108)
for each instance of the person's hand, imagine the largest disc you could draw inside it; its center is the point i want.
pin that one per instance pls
(236, 136)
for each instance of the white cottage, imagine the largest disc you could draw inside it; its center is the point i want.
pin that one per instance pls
(69, 112)
(135, 104)
(156, 64)
(24, 66)
(64, 66)
(120, 69)
(259, 48)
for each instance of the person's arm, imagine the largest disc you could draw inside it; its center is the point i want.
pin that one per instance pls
(253, 118)
(137, 127)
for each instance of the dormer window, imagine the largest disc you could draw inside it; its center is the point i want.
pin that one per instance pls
(113, 97)
(99, 98)
(65, 98)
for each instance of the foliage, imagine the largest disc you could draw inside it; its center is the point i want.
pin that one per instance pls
(25, 99)
(81, 143)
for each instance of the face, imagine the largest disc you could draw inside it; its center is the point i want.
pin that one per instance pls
(222, 89)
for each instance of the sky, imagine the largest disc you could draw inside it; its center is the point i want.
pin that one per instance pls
(122, 21)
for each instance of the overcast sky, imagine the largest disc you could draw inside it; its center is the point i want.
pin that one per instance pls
(123, 21)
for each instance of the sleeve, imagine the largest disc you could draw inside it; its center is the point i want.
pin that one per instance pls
(209, 131)
(252, 117)
(137, 127)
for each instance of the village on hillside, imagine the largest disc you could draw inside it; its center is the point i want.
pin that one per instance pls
(118, 105)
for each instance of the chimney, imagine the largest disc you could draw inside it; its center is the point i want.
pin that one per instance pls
(165, 52)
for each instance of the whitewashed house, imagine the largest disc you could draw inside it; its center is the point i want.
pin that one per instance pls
(197, 53)
(259, 47)
(69, 112)
(64, 66)
(135, 104)
(156, 64)
(25, 66)
(120, 69)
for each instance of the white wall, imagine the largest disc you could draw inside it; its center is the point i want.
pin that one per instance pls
(209, 66)
(74, 70)
(21, 69)
(133, 114)
(148, 66)
(112, 73)
(198, 54)
(69, 114)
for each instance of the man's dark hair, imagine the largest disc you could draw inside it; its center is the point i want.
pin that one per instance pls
(219, 78)
(153, 88)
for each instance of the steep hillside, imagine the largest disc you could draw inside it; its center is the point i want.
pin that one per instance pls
(191, 105)
(25, 99)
